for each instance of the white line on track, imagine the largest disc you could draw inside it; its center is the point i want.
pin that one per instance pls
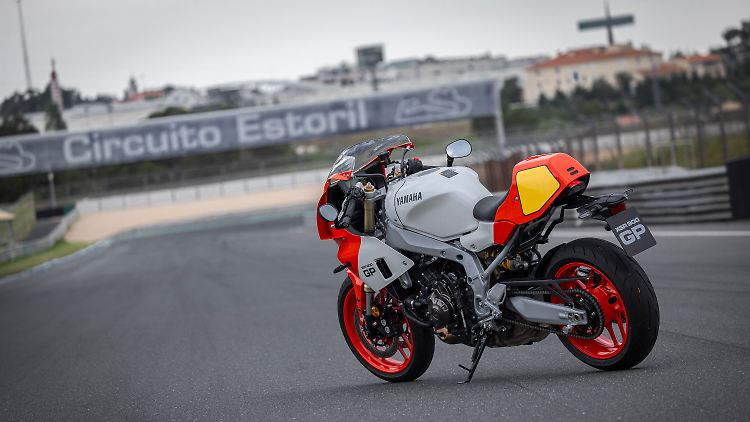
(658, 233)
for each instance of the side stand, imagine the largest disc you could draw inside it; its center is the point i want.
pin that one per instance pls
(475, 357)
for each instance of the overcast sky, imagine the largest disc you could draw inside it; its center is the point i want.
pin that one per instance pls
(98, 44)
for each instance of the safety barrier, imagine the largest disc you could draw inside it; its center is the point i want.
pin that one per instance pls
(698, 196)
(21, 249)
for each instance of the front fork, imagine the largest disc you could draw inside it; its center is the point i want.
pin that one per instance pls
(364, 294)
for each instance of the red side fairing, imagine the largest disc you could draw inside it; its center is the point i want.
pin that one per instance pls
(501, 231)
(348, 242)
(563, 167)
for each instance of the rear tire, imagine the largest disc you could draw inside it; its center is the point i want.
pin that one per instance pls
(411, 368)
(627, 299)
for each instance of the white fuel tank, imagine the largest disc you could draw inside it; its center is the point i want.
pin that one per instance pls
(437, 202)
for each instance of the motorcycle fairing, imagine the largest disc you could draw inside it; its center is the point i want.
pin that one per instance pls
(535, 187)
(542, 179)
(378, 264)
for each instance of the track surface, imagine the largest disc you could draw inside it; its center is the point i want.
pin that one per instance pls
(240, 323)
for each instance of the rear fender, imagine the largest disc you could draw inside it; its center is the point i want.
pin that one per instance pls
(541, 267)
(598, 207)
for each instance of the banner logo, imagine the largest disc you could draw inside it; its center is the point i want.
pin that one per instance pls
(13, 158)
(440, 104)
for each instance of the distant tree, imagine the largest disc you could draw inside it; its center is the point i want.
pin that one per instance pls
(543, 101)
(560, 98)
(16, 125)
(624, 82)
(521, 117)
(601, 90)
(53, 118)
(512, 92)
(169, 111)
(678, 54)
(36, 101)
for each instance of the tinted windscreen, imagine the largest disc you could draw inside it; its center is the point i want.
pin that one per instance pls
(361, 154)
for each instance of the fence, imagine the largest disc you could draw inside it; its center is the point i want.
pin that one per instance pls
(19, 250)
(699, 196)
(202, 191)
(695, 137)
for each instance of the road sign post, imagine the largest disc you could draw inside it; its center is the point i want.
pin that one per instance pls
(368, 57)
(608, 21)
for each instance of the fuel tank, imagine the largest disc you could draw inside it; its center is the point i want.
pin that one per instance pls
(437, 202)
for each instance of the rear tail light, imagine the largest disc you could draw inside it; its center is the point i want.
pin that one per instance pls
(616, 209)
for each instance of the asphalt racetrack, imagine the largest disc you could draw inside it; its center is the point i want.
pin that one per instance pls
(239, 323)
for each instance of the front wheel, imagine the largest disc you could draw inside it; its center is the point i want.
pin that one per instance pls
(629, 307)
(402, 354)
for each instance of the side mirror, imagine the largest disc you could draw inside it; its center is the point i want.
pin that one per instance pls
(459, 148)
(328, 212)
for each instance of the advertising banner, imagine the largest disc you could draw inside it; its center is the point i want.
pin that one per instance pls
(242, 128)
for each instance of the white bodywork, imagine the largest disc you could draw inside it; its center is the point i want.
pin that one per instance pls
(439, 203)
(370, 251)
(480, 239)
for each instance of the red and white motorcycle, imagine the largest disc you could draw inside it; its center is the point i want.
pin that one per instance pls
(429, 251)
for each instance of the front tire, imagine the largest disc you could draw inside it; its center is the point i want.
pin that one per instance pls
(627, 299)
(414, 348)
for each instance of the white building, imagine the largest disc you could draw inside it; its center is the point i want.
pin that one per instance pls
(412, 72)
(582, 67)
(702, 65)
(133, 109)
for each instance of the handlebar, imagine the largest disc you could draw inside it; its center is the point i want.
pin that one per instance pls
(344, 218)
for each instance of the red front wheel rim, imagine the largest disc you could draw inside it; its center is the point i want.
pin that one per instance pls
(354, 330)
(614, 337)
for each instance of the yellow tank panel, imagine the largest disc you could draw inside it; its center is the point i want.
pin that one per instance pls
(535, 187)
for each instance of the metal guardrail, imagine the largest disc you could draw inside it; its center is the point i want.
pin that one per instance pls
(22, 249)
(692, 198)
(200, 192)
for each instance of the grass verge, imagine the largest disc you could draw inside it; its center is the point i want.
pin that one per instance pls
(58, 250)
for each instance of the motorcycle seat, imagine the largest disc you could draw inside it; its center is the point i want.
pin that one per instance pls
(486, 208)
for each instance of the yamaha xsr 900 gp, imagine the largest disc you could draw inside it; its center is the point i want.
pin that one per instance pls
(429, 251)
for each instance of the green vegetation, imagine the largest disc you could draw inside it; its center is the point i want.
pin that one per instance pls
(169, 111)
(16, 124)
(59, 250)
(54, 119)
(25, 218)
(36, 101)
(686, 153)
(605, 100)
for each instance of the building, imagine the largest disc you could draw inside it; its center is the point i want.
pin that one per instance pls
(582, 67)
(404, 73)
(135, 108)
(484, 66)
(708, 65)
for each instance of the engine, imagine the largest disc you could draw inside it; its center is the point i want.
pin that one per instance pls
(445, 303)
(443, 300)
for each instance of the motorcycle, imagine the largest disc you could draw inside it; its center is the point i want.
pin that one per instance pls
(429, 252)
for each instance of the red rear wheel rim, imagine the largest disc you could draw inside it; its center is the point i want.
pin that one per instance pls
(615, 334)
(354, 330)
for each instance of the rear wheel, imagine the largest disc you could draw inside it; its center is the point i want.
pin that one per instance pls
(627, 299)
(403, 357)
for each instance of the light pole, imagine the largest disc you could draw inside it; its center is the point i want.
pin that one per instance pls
(23, 46)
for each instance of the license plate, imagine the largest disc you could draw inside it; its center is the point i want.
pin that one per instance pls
(631, 232)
